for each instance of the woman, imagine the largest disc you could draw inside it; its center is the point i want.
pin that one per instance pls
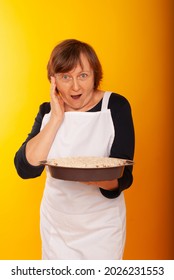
(78, 220)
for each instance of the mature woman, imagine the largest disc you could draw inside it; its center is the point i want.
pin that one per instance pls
(79, 220)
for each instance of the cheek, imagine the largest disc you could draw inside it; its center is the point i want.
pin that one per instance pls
(61, 89)
(90, 86)
(91, 82)
(64, 93)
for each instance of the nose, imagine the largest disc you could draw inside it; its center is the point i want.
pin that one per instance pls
(75, 84)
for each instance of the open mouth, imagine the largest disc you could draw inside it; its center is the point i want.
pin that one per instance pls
(75, 97)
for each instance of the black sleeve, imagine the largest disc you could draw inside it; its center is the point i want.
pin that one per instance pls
(123, 144)
(23, 167)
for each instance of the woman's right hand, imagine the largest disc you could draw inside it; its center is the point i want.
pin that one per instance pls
(38, 147)
(57, 103)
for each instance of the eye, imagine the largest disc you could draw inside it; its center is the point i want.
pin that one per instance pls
(83, 76)
(66, 77)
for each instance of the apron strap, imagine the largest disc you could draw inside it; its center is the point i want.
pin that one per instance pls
(105, 100)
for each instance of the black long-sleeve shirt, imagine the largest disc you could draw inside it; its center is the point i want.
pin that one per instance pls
(122, 147)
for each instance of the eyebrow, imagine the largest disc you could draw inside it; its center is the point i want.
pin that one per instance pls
(87, 71)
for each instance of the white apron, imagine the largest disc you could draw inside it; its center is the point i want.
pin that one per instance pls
(77, 221)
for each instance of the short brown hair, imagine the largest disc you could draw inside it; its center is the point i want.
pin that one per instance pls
(66, 55)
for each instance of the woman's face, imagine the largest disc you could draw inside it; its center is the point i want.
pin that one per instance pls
(76, 87)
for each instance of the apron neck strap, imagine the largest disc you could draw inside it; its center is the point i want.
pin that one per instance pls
(105, 100)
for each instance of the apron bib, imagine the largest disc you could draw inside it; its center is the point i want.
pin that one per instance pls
(77, 221)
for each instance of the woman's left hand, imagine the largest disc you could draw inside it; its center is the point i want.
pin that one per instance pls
(106, 185)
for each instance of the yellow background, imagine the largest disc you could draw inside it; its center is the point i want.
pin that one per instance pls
(133, 40)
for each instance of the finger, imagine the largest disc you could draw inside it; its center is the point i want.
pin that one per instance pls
(53, 81)
(53, 84)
